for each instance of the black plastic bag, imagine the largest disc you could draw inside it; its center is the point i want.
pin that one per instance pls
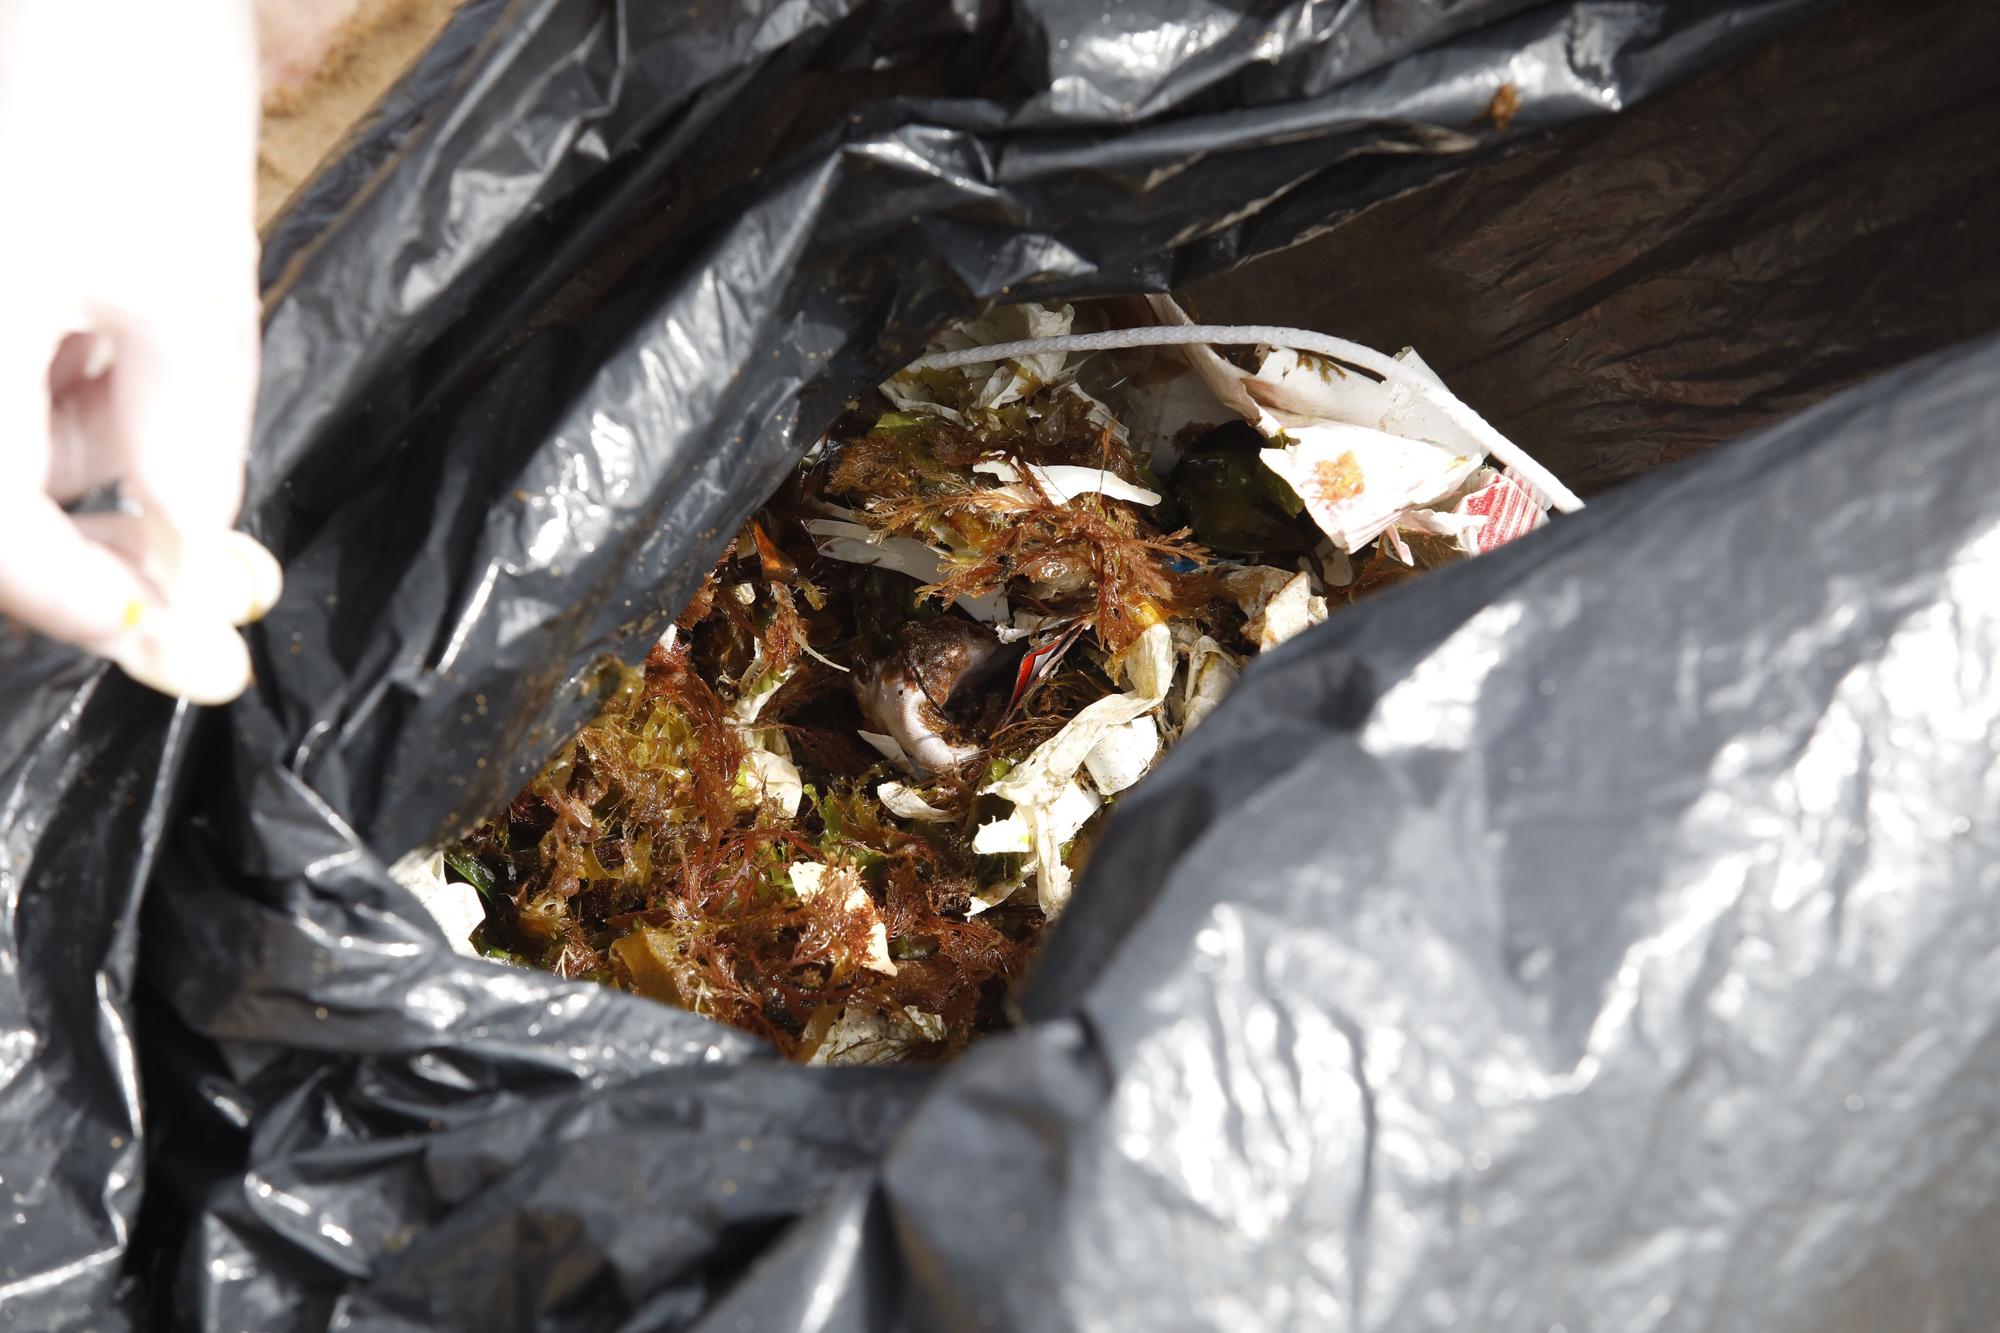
(568, 310)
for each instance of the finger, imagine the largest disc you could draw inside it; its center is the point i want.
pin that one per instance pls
(229, 577)
(182, 389)
(190, 657)
(54, 580)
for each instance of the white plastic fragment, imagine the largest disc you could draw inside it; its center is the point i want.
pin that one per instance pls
(1071, 809)
(745, 593)
(1063, 482)
(1040, 782)
(1164, 413)
(1024, 624)
(889, 748)
(767, 773)
(1007, 836)
(774, 778)
(858, 544)
(1223, 380)
(1294, 390)
(1211, 672)
(978, 389)
(455, 907)
(1124, 755)
(1355, 481)
(750, 704)
(906, 803)
(822, 658)
(989, 896)
(863, 1035)
(1251, 586)
(809, 880)
(1016, 380)
(1336, 567)
(1290, 611)
(986, 389)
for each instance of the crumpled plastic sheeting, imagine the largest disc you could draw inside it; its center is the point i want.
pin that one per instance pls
(1594, 935)
(91, 761)
(583, 292)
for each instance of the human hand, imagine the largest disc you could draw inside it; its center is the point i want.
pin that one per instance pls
(128, 332)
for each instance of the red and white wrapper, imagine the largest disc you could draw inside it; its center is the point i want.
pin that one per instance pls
(1511, 509)
(1498, 508)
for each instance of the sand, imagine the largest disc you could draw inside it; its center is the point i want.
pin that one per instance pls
(322, 82)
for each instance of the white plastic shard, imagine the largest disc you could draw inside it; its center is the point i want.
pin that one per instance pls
(1063, 818)
(889, 748)
(982, 388)
(1251, 586)
(907, 803)
(862, 1035)
(1292, 390)
(1223, 380)
(774, 778)
(1279, 603)
(1290, 611)
(1356, 481)
(858, 544)
(1024, 624)
(1163, 413)
(1064, 482)
(1124, 755)
(1015, 380)
(750, 704)
(455, 907)
(1211, 671)
(1011, 836)
(1038, 785)
(810, 879)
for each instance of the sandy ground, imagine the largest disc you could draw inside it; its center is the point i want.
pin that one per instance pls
(325, 63)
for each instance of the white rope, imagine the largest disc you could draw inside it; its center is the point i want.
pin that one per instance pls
(1302, 340)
